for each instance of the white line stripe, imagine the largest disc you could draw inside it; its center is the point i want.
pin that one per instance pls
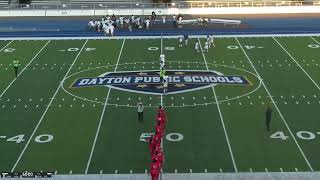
(102, 114)
(24, 69)
(161, 44)
(158, 37)
(275, 105)
(53, 97)
(314, 40)
(296, 63)
(6, 45)
(220, 114)
(161, 96)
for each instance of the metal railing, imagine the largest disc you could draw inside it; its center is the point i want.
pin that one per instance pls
(136, 5)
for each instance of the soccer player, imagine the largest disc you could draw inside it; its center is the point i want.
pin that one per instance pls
(165, 84)
(162, 60)
(140, 112)
(111, 29)
(150, 140)
(174, 20)
(147, 23)
(159, 129)
(16, 65)
(158, 156)
(164, 19)
(206, 46)
(162, 74)
(155, 170)
(186, 38)
(268, 117)
(121, 21)
(196, 47)
(180, 40)
(208, 38)
(211, 41)
(160, 110)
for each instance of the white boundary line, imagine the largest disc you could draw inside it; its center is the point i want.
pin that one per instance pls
(296, 63)
(23, 69)
(158, 37)
(220, 114)
(276, 106)
(161, 96)
(315, 40)
(102, 114)
(53, 97)
(6, 45)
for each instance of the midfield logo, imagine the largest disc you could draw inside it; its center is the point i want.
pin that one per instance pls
(148, 82)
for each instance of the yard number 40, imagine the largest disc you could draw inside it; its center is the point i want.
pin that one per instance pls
(43, 138)
(304, 135)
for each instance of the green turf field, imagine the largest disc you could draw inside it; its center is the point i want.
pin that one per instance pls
(48, 125)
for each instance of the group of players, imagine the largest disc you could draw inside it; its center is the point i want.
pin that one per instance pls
(207, 44)
(182, 38)
(155, 144)
(107, 24)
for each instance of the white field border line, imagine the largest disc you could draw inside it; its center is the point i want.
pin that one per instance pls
(161, 102)
(296, 63)
(102, 114)
(6, 45)
(23, 69)
(158, 37)
(161, 96)
(314, 40)
(276, 106)
(53, 97)
(220, 114)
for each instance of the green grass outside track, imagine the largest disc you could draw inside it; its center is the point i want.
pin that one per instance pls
(75, 131)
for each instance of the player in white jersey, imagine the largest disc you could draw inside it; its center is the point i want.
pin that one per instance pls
(164, 19)
(180, 40)
(196, 47)
(211, 43)
(162, 60)
(206, 46)
(165, 84)
(121, 21)
(147, 23)
(208, 38)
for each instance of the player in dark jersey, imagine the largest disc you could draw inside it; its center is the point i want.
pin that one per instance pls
(16, 65)
(268, 117)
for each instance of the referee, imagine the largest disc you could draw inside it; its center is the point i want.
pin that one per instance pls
(268, 117)
(140, 112)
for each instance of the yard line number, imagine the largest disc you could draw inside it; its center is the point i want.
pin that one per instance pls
(313, 46)
(74, 49)
(304, 135)
(173, 137)
(246, 47)
(157, 48)
(43, 138)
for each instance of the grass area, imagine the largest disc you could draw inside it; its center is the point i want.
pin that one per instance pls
(48, 125)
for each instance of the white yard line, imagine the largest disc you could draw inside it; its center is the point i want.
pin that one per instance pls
(161, 96)
(297, 63)
(6, 45)
(102, 114)
(158, 37)
(53, 97)
(314, 40)
(220, 114)
(23, 69)
(276, 106)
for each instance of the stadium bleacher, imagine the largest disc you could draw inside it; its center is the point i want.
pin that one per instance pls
(4, 2)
